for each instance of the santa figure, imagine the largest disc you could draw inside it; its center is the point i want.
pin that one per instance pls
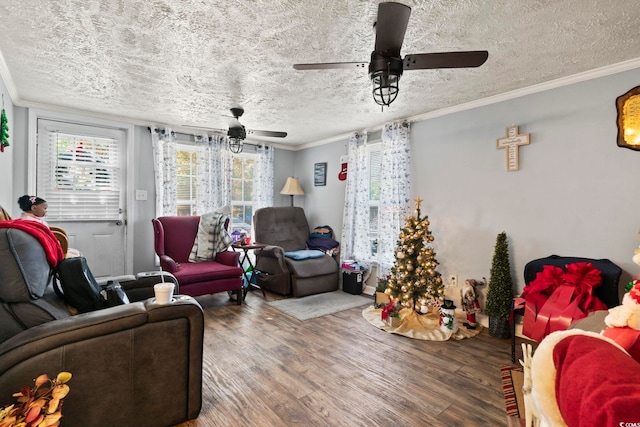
(469, 302)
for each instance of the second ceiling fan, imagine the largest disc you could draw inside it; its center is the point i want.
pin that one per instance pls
(237, 132)
(386, 65)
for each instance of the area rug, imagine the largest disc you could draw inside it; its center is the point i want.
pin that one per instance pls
(420, 326)
(512, 379)
(319, 305)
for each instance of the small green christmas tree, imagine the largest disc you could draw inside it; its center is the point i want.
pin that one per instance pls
(4, 130)
(413, 276)
(500, 293)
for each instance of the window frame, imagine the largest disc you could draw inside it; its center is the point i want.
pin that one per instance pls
(374, 147)
(243, 203)
(188, 148)
(72, 180)
(185, 146)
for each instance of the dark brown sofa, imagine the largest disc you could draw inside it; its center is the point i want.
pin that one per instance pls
(286, 229)
(138, 364)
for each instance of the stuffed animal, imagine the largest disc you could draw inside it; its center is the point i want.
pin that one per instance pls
(623, 322)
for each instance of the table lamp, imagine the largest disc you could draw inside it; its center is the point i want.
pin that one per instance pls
(292, 188)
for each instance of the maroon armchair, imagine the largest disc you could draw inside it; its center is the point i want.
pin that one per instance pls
(174, 237)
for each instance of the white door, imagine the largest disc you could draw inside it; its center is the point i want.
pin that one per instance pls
(80, 174)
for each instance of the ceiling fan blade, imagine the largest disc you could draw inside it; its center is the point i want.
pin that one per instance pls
(421, 61)
(269, 133)
(205, 128)
(391, 26)
(332, 65)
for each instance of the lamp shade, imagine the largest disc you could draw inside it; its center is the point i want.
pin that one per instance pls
(292, 187)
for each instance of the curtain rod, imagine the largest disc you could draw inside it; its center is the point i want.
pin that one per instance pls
(158, 130)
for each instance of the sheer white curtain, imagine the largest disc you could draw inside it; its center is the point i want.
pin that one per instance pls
(395, 191)
(164, 154)
(213, 173)
(355, 222)
(263, 177)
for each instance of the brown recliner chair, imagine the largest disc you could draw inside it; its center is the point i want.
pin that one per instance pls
(285, 229)
(134, 364)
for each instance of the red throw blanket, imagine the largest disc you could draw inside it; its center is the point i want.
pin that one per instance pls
(557, 298)
(596, 384)
(49, 243)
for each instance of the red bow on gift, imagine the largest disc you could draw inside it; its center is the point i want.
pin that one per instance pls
(557, 298)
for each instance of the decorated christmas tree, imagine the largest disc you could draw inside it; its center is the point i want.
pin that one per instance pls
(414, 279)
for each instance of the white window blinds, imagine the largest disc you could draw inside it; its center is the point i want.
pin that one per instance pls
(79, 175)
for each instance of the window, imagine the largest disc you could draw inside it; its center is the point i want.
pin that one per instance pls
(375, 156)
(241, 186)
(78, 174)
(242, 192)
(186, 179)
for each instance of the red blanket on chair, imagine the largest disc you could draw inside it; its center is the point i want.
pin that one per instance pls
(557, 298)
(596, 384)
(49, 243)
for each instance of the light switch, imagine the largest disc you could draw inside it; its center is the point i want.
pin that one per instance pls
(141, 194)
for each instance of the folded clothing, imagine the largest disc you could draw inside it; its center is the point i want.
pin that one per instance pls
(304, 254)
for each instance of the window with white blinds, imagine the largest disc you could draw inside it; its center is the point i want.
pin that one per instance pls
(79, 176)
(186, 179)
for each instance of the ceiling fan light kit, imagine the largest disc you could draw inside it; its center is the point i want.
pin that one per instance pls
(385, 75)
(387, 64)
(235, 145)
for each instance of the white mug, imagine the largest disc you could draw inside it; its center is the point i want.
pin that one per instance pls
(164, 292)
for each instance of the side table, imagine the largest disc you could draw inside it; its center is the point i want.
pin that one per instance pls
(244, 256)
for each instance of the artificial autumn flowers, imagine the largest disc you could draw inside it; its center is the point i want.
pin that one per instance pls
(40, 406)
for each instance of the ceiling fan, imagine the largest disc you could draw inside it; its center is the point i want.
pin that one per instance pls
(387, 65)
(237, 132)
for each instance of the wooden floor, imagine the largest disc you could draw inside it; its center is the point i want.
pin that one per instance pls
(264, 368)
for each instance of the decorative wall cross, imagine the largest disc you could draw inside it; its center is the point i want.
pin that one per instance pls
(511, 143)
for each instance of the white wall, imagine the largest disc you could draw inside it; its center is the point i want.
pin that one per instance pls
(323, 205)
(283, 167)
(574, 194)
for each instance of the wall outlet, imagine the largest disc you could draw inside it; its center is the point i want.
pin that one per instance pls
(453, 280)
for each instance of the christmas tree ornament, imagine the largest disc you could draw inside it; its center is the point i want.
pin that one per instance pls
(4, 128)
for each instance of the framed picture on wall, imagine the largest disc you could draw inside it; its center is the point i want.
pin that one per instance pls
(320, 174)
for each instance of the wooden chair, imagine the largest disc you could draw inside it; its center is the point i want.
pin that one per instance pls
(58, 232)
(62, 237)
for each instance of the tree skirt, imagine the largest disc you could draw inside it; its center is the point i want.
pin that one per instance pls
(420, 326)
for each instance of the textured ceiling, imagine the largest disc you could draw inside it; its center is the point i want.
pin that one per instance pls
(186, 62)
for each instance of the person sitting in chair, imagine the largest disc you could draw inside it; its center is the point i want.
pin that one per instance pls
(33, 208)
